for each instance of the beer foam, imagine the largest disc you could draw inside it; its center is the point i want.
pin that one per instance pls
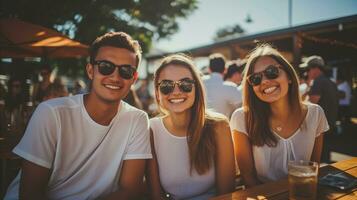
(299, 173)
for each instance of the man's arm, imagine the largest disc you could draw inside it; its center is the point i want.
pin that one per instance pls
(33, 181)
(130, 185)
(130, 181)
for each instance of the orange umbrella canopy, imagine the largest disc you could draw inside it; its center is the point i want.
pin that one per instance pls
(21, 39)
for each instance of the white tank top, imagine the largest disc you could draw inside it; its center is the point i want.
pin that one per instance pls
(174, 166)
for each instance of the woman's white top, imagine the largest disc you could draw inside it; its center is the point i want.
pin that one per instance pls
(174, 166)
(271, 163)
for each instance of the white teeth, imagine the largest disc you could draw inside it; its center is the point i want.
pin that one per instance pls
(176, 100)
(113, 87)
(270, 90)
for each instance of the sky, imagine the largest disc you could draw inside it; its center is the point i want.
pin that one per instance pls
(199, 28)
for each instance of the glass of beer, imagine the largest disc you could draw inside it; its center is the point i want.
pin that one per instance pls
(302, 180)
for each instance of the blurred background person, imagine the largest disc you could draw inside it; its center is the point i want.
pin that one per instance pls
(13, 115)
(345, 96)
(55, 90)
(274, 126)
(143, 94)
(303, 85)
(40, 87)
(80, 87)
(204, 71)
(132, 99)
(234, 73)
(323, 91)
(221, 97)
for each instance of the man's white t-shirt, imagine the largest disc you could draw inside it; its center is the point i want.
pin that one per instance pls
(85, 157)
(271, 163)
(221, 96)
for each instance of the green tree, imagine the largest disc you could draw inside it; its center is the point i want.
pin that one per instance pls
(229, 32)
(84, 20)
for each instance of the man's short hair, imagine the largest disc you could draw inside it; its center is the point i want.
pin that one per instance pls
(233, 67)
(115, 39)
(313, 61)
(217, 63)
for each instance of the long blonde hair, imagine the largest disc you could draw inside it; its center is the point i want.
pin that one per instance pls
(200, 137)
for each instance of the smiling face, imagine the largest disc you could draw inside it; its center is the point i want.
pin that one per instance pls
(271, 90)
(177, 101)
(111, 88)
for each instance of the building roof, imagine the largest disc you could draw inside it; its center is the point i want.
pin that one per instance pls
(340, 32)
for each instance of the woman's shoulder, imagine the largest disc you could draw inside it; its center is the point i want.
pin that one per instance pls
(155, 121)
(238, 113)
(313, 108)
(314, 112)
(217, 121)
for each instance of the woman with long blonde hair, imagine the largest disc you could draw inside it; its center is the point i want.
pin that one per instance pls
(274, 126)
(193, 155)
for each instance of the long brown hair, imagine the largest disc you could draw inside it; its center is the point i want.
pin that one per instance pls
(257, 112)
(200, 134)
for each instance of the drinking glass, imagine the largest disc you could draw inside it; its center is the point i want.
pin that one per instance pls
(302, 180)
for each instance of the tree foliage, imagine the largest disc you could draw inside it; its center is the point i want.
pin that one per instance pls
(229, 32)
(84, 20)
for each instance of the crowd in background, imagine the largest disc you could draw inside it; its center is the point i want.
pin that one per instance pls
(18, 99)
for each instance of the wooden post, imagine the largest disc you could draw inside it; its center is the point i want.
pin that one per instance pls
(297, 45)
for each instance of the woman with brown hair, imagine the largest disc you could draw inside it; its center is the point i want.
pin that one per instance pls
(193, 155)
(274, 126)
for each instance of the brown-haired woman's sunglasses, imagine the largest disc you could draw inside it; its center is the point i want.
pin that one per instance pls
(168, 86)
(271, 72)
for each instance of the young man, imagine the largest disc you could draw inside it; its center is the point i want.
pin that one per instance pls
(221, 97)
(90, 146)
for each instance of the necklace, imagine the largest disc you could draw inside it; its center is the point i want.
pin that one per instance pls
(279, 128)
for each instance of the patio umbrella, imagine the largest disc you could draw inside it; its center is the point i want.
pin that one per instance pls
(22, 39)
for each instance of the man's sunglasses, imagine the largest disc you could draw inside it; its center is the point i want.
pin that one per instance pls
(168, 86)
(107, 68)
(271, 72)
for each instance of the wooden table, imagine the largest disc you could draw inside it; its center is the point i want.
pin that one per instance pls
(278, 190)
